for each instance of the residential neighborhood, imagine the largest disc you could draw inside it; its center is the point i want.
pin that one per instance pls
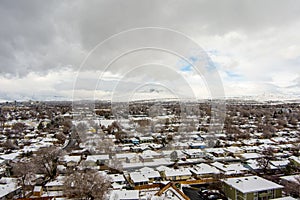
(48, 152)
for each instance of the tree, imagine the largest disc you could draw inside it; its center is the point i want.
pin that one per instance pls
(115, 165)
(41, 126)
(2, 120)
(218, 181)
(94, 125)
(61, 137)
(86, 184)
(81, 130)
(293, 187)
(67, 126)
(264, 162)
(25, 171)
(105, 146)
(9, 145)
(46, 160)
(174, 156)
(18, 127)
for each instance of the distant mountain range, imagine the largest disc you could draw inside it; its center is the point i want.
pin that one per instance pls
(267, 97)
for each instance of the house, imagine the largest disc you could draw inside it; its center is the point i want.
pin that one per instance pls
(231, 169)
(37, 191)
(250, 149)
(280, 164)
(118, 181)
(295, 160)
(177, 174)
(151, 153)
(137, 178)
(285, 198)
(194, 153)
(55, 185)
(247, 156)
(251, 188)
(236, 151)
(127, 157)
(145, 158)
(146, 139)
(197, 145)
(134, 141)
(94, 160)
(170, 191)
(117, 178)
(70, 161)
(204, 170)
(151, 174)
(217, 152)
(9, 188)
(124, 195)
(292, 184)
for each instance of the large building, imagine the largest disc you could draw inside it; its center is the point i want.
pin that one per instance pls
(251, 188)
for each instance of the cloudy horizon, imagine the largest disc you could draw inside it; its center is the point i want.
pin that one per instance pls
(46, 49)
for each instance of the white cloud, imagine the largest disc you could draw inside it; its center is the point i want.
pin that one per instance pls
(255, 45)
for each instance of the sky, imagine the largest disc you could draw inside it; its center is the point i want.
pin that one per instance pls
(64, 50)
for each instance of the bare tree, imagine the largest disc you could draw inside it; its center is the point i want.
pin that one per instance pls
(94, 125)
(264, 162)
(293, 187)
(105, 146)
(81, 127)
(87, 185)
(67, 126)
(46, 160)
(25, 172)
(9, 144)
(115, 164)
(61, 137)
(80, 130)
(174, 156)
(18, 127)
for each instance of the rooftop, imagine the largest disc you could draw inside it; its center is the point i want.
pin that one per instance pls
(252, 184)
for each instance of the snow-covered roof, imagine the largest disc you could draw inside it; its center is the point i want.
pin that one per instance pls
(280, 163)
(215, 150)
(137, 177)
(68, 158)
(291, 178)
(233, 168)
(285, 198)
(116, 177)
(10, 156)
(296, 159)
(94, 158)
(204, 168)
(8, 185)
(178, 172)
(106, 122)
(234, 149)
(151, 174)
(124, 194)
(125, 155)
(251, 155)
(252, 184)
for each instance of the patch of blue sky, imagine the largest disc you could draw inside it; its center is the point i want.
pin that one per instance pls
(185, 66)
(188, 66)
(213, 52)
(211, 65)
(233, 75)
